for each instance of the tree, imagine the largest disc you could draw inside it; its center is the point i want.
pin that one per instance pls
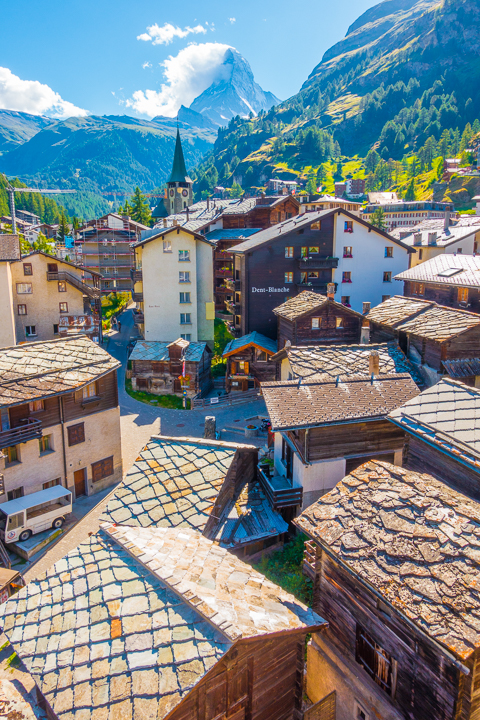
(126, 209)
(311, 186)
(371, 161)
(141, 212)
(235, 191)
(410, 193)
(321, 174)
(63, 229)
(44, 245)
(378, 219)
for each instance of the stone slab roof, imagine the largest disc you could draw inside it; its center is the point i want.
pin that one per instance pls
(254, 338)
(41, 369)
(461, 270)
(462, 368)
(9, 248)
(313, 362)
(444, 237)
(412, 539)
(131, 620)
(446, 415)
(291, 404)
(301, 304)
(158, 351)
(231, 234)
(423, 318)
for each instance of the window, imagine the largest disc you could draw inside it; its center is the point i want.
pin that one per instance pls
(462, 295)
(243, 368)
(348, 227)
(184, 297)
(289, 252)
(62, 286)
(261, 356)
(55, 329)
(30, 331)
(420, 254)
(346, 277)
(89, 391)
(45, 444)
(316, 225)
(185, 319)
(360, 712)
(386, 297)
(102, 469)
(345, 300)
(316, 323)
(389, 251)
(36, 406)
(186, 336)
(27, 269)
(184, 277)
(347, 251)
(459, 251)
(24, 288)
(313, 250)
(22, 309)
(289, 277)
(184, 255)
(12, 456)
(14, 495)
(63, 307)
(376, 661)
(167, 246)
(76, 434)
(339, 323)
(52, 483)
(387, 277)
(418, 288)
(304, 252)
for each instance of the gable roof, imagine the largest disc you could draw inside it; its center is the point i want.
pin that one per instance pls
(61, 262)
(134, 618)
(254, 338)
(413, 540)
(301, 221)
(247, 205)
(9, 247)
(313, 362)
(293, 404)
(156, 351)
(150, 235)
(446, 415)
(42, 369)
(305, 303)
(444, 237)
(446, 269)
(423, 318)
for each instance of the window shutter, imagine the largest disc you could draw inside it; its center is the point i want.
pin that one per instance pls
(233, 367)
(76, 434)
(247, 368)
(78, 396)
(102, 469)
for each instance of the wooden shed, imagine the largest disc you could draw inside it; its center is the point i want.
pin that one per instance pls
(249, 362)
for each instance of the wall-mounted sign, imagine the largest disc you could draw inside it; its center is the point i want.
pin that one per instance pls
(271, 290)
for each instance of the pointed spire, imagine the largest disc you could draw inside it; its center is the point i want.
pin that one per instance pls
(179, 171)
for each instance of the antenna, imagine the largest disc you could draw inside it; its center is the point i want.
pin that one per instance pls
(11, 198)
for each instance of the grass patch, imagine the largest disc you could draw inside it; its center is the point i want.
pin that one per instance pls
(13, 661)
(284, 568)
(5, 644)
(167, 401)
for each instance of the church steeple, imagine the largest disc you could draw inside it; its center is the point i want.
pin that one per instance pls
(180, 193)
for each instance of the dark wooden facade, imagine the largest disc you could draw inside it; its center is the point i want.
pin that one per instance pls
(351, 440)
(268, 211)
(330, 331)
(224, 285)
(164, 377)
(260, 274)
(444, 294)
(245, 371)
(425, 683)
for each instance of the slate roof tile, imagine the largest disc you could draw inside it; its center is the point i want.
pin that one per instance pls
(446, 269)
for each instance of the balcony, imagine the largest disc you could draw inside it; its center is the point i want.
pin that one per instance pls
(137, 297)
(279, 490)
(230, 283)
(138, 318)
(136, 275)
(309, 567)
(312, 263)
(30, 429)
(92, 291)
(230, 305)
(319, 286)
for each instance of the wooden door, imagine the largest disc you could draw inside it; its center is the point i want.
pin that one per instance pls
(52, 267)
(79, 480)
(177, 388)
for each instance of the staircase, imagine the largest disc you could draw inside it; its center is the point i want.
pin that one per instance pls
(64, 276)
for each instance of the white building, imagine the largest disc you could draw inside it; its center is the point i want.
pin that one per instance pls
(173, 286)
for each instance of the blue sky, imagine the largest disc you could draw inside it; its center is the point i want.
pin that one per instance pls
(65, 57)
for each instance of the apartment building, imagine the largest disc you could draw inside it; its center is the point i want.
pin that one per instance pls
(60, 420)
(173, 286)
(402, 214)
(45, 298)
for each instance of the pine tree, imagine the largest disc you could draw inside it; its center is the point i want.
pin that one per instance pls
(371, 161)
(410, 193)
(311, 186)
(63, 229)
(476, 126)
(141, 212)
(378, 219)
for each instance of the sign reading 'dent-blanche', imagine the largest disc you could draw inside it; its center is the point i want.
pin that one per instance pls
(271, 290)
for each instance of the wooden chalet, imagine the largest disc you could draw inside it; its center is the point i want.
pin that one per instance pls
(441, 435)
(392, 556)
(170, 626)
(249, 362)
(310, 318)
(260, 212)
(158, 367)
(325, 428)
(436, 338)
(450, 280)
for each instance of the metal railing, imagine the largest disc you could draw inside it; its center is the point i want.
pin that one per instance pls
(136, 275)
(318, 263)
(63, 276)
(137, 296)
(30, 429)
(235, 398)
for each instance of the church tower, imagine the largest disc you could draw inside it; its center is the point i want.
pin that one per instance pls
(180, 186)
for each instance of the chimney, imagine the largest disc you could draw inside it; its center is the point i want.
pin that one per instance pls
(164, 222)
(366, 308)
(446, 224)
(432, 238)
(365, 333)
(208, 203)
(209, 432)
(175, 222)
(331, 291)
(417, 239)
(188, 214)
(374, 363)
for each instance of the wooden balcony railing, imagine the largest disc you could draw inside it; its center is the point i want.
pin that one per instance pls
(313, 263)
(137, 296)
(279, 491)
(30, 429)
(310, 559)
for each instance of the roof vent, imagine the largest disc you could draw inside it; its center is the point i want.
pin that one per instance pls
(417, 239)
(432, 238)
(366, 308)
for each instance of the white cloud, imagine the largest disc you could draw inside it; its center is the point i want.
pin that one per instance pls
(232, 20)
(33, 97)
(186, 75)
(165, 35)
(146, 65)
